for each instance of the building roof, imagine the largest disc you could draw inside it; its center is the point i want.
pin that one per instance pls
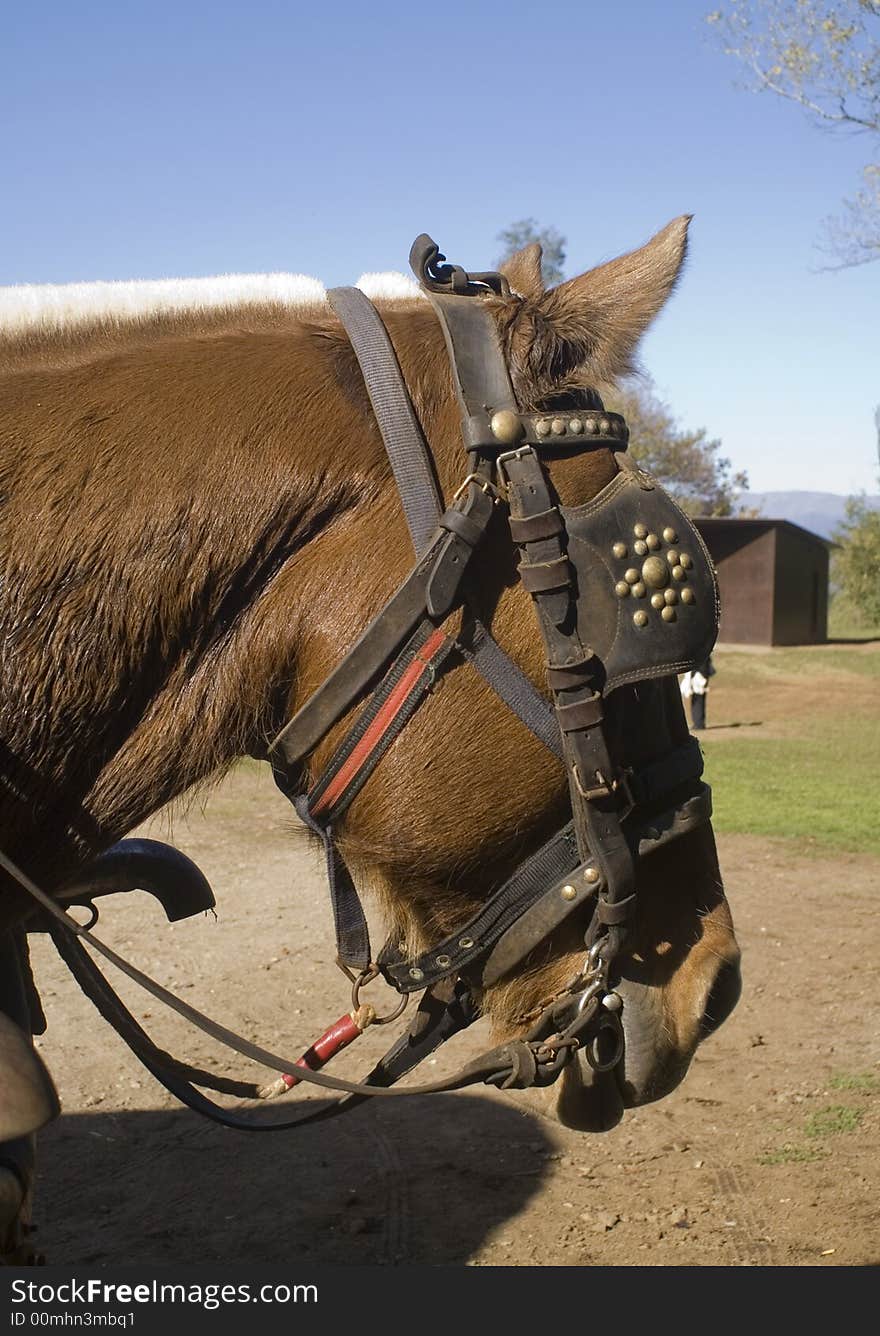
(759, 523)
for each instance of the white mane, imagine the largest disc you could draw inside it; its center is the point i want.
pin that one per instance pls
(54, 306)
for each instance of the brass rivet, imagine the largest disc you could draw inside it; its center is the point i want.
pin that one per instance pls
(575, 426)
(621, 589)
(639, 589)
(668, 614)
(604, 427)
(416, 973)
(557, 426)
(466, 943)
(505, 426)
(654, 572)
(591, 875)
(640, 619)
(640, 547)
(542, 427)
(590, 426)
(672, 557)
(658, 601)
(640, 530)
(670, 596)
(631, 575)
(568, 893)
(653, 542)
(678, 573)
(443, 961)
(670, 536)
(620, 550)
(687, 596)
(686, 561)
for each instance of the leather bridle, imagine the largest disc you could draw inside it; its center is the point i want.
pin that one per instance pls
(612, 609)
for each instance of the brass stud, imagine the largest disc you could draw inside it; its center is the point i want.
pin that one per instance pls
(466, 943)
(658, 601)
(686, 561)
(654, 572)
(590, 426)
(631, 575)
(640, 547)
(604, 427)
(672, 557)
(678, 573)
(640, 530)
(670, 536)
(640, 618)
(575, 426)
(568, 893)
(639, 589)
(621, 589)
(653, 542)
(505, 426)
(670, 596)
(443, 961)
(542, 427)
(591, 875)
(668, 614)
(620, 550)
(687, 596)
(416, 973)
(557, 426)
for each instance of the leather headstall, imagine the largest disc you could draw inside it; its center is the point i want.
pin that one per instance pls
(624, 592)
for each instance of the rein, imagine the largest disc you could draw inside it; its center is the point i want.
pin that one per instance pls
(592, 604)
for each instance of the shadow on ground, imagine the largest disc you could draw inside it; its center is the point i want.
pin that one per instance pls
(423, 1180)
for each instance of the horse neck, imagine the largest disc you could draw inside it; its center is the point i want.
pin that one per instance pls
(169, 512)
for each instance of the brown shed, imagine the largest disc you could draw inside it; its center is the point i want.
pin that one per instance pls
(773, 577)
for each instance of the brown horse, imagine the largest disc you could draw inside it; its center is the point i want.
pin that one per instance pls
(198, 520)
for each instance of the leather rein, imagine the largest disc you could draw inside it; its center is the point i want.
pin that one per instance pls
(618, 815)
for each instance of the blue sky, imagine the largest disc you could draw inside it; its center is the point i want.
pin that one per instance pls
(153, 140)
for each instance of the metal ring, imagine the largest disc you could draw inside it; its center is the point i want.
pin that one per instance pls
(599, 1063)
(367, 976)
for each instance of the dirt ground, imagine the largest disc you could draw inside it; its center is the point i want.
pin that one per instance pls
(766, 1155)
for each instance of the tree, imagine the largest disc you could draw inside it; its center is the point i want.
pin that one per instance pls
(823, 55)
(856, 561)
(552, 243)
(686, 462)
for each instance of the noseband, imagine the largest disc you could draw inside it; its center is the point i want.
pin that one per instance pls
(624, 592)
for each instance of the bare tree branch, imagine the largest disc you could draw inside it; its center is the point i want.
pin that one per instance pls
(824, 57)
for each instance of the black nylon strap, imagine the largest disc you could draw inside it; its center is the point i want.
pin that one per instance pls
(517, 691)
(553, 860)
(350, 922)
(404, 442)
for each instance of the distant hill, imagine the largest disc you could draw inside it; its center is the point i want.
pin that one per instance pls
(820, 512)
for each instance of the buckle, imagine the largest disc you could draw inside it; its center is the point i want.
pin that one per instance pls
(519, 453)
(485, 486)
(605, 788)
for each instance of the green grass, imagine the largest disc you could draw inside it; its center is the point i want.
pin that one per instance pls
(867, 1082)
(833, 661)
(833, 1121)
(820, 790)
(789, 1154)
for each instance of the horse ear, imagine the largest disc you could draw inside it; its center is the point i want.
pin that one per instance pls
(585, 332)
(523, 271)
